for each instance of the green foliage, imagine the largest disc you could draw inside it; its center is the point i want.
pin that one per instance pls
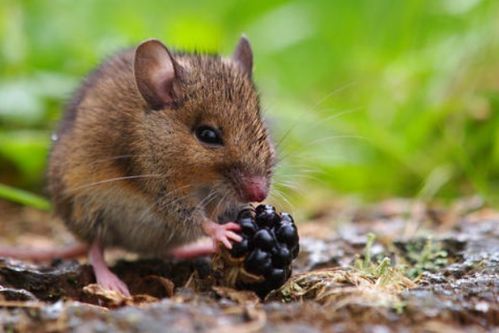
(366, 264)
(383, 271)
(417, 257)
(430, 258)
(380, 97)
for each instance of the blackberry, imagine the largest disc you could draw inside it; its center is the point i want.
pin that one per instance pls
(262, 260)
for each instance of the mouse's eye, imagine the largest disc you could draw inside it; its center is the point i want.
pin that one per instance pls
(209, 135)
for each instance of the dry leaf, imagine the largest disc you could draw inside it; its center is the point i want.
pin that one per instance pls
(242, 297)
(114, 299)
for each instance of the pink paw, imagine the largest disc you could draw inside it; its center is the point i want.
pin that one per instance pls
(108, 280)
(223, 233)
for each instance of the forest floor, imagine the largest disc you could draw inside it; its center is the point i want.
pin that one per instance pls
(398, 265)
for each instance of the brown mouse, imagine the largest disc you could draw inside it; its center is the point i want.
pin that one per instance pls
(153, 150)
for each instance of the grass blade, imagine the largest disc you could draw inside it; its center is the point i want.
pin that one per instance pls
(24, 197)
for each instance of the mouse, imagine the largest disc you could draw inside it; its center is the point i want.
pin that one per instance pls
(158, 148)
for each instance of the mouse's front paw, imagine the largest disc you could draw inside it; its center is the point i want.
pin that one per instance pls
(222, 233)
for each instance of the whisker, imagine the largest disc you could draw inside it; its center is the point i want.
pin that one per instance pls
(331, 94)
(282, 197)
(292, 184)
(110, 180)
(206, 200)
(222, 199)
(318, 122)
(284, 136)
(334, 137)
(164, 197)
(117, 157)
(337, 115)
(308, 177)
(178, 199)
(292, 156)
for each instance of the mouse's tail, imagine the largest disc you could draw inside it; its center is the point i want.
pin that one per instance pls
(33, 254)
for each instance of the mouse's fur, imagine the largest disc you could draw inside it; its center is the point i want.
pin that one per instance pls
(129, 172)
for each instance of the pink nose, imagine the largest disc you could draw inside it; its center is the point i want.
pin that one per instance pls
(255, 188)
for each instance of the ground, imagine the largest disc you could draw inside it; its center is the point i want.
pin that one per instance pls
(398, 265)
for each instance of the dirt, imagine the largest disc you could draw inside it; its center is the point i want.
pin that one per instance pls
(396, 266)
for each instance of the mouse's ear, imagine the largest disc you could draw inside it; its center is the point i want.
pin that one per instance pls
(155, 71)
(243, 55)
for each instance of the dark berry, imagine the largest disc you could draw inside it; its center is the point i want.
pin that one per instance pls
(270, 243)
(276, 278)
(260, 208)
(287, 234)
(246, 213)
(286, 218)
(295, 250)
(258, 262)
(263, 240)
(248, 227)
(281, 256)
(266, 267)
(239, 249)
(266, 216)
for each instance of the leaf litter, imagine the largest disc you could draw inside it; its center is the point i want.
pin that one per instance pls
(395, 266)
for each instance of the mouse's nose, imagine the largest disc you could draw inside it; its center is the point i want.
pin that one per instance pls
(255, 188)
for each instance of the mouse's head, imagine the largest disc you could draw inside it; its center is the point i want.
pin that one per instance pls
(203, 123)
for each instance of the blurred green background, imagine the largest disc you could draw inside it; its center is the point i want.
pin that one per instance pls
(373, 98)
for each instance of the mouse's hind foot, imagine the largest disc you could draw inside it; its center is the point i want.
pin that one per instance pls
(103, 275)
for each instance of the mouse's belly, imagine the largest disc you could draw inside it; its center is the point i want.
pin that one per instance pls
(131, 222)
(148, 233)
